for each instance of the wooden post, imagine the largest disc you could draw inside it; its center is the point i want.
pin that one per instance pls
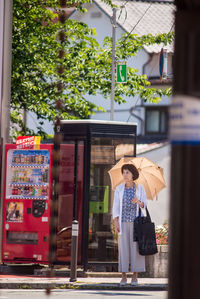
(184, 257)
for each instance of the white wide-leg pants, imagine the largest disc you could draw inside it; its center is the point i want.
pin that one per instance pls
(128, 251)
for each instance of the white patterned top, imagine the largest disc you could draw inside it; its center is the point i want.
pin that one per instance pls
(129, 209)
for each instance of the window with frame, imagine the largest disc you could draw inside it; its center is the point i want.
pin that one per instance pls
(156, 120)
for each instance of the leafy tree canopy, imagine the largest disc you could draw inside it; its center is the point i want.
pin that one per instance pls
(87, 65)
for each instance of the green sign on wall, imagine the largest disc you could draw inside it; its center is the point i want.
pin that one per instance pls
(121, 73)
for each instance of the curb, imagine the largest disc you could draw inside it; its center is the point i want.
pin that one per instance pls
(82, 286)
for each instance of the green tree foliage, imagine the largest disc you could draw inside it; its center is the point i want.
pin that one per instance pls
(87, 66)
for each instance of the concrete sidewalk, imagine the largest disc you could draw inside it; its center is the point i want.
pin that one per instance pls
(33, 282)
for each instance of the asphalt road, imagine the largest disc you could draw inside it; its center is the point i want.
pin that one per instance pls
(77, 294)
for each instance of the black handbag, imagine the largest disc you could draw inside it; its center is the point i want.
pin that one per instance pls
(144, 234)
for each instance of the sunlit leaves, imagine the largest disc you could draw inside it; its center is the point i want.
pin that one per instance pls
(87, 66)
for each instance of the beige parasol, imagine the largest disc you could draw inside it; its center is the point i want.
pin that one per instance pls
(150, 175)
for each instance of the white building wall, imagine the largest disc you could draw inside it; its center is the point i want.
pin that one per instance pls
(101, 22)
(166, 101)
(159, 209)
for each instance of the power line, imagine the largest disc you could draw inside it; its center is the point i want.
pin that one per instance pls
(137, 23)
(140, 19)
(171, 27)
(150, 4)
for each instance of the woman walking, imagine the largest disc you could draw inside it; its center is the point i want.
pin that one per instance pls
(127, 199)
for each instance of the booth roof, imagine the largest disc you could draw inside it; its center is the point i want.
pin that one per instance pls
(91, 121)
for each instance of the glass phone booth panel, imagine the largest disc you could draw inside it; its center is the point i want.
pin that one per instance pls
(66, 199)
(105, 153)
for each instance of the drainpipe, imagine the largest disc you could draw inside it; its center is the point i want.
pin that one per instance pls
(146, 63)
(139, 106)
(138, 117)
(144, 66)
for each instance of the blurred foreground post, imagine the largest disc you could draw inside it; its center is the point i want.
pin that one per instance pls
(184, 259)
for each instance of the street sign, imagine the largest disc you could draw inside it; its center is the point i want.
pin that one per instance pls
(121, 73)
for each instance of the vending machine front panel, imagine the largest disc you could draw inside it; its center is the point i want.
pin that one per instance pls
(26, 205)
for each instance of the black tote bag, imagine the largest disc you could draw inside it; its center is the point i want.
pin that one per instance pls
(144, 234)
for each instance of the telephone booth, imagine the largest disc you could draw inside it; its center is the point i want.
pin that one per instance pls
(88, 150)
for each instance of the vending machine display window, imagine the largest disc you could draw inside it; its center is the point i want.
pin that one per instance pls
(27, 174)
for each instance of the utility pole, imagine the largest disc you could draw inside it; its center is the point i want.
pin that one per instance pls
(113, 64)
(5, 87)
(6, 50)
(184, 257)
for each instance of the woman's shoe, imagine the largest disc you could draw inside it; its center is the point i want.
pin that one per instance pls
(123, 282)
(134, 282)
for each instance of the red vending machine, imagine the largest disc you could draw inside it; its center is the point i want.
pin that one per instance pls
(26, 208)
